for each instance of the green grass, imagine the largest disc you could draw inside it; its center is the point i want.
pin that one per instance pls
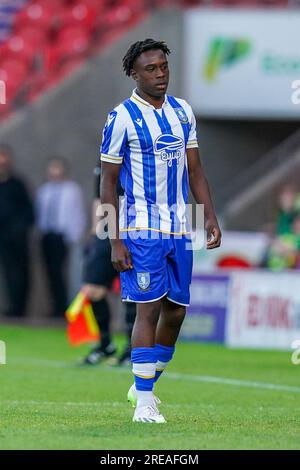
(48, 402)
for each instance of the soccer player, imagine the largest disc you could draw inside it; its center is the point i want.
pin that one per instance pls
(150, 142)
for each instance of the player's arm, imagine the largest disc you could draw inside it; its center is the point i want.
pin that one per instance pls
(120, 256)
(200, 190)
(114, 141)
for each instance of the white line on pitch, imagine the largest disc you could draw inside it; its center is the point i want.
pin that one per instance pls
(236, 382)
(55, 403)
(172, 376)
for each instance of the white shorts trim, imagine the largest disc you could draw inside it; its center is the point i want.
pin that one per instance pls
(179, 303)
(144, 301)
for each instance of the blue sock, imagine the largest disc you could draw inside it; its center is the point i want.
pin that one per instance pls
(164, 355)
(143, 366)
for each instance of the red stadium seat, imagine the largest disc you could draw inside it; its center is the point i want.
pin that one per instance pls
(99, 7)
(59, 32)
(17, 48)
(52, 5)
(33, 35)
(96, 5)
(71, 34)
(75, 46)
(50, 57)
(13, 73)
(35, 15)
(71, 43)
(80, 15)
(116, 18)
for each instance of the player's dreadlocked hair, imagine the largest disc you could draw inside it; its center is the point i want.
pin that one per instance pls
(138, 48)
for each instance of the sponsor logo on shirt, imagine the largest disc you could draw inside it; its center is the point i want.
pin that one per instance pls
(168, 147)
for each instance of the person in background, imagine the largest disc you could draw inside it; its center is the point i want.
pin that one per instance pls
(16, 219)
(296, 240)
(98, 277)
(61, 220)
(283, 252)
(286, 209)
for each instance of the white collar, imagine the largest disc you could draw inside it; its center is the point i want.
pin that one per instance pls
(135, 97)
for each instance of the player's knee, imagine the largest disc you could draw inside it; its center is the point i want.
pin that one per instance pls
(148, 313)
(176, 318)
(149, 319)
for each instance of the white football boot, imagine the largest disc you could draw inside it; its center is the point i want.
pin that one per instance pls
(148, 414)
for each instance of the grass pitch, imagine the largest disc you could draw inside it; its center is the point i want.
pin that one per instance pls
(213, 398)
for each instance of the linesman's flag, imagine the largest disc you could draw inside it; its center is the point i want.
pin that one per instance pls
(82, 326)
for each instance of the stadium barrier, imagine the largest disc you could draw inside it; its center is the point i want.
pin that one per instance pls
(245, 308)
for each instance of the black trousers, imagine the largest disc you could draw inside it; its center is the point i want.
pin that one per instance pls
(14, 259)
(55, 254)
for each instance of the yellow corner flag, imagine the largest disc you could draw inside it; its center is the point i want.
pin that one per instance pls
(82, 326)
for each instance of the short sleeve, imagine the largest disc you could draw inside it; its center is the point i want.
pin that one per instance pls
(114, 139)
(192, 140)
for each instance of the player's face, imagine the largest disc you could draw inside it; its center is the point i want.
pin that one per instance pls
(151, 73)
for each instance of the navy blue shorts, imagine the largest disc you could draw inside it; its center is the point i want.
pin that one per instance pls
(161, 266)
(97, 266)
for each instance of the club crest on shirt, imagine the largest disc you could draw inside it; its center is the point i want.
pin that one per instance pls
(181, 115)
(168, 147)
(143, 280)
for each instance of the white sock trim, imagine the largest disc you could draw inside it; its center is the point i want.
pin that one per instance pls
(160, 366)
(145, 370)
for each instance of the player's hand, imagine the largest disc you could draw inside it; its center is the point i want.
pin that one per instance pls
(121, 257)
(214, 234)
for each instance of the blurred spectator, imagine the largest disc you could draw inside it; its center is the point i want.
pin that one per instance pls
(16, 218)
(285, 247)
(296, 239)
(286, 209)
(282, 253)
(61, 220)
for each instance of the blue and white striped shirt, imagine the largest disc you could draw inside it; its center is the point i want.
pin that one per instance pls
(151, 144)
